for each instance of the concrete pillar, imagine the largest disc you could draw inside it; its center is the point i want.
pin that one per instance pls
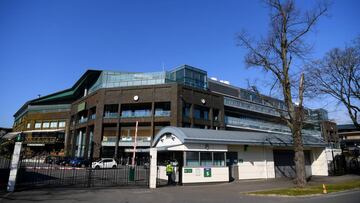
(153, 168)
(79, 144)
(14, 167)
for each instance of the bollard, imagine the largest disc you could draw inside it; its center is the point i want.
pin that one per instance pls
(324, 189)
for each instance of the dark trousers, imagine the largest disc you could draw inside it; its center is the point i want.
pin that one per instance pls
(170, 180)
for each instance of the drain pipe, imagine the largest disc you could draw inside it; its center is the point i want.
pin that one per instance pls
(266, 169)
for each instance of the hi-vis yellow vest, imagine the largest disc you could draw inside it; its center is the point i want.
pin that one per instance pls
(169, 168)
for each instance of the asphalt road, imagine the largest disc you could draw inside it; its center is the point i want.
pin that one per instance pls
(227, 192)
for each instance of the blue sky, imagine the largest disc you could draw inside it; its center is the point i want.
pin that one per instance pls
(45, 46)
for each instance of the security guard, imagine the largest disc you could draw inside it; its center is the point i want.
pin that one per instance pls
(169, 172)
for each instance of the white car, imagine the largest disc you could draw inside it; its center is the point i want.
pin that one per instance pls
(104, 163)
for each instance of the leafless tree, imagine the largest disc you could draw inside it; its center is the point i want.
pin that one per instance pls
(276, 54)
(338, 75)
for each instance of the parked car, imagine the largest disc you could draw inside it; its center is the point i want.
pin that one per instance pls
(104, 163)
(51, 159)
(63, 161)
(79, 162)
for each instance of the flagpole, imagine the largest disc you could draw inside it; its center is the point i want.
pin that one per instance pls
(133, 157)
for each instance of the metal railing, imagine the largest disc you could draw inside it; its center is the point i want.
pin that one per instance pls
(40, 140)
(263, 125)
(92, 117)
(111, 115)
(160, 113)
(136, 114)
(83, 120)
(38, 174)
(250, 106)
(4, 172)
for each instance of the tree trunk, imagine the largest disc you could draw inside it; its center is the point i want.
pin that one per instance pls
(299, 160)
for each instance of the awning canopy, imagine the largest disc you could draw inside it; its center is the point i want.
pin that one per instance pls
(12, 135)
(204, 136)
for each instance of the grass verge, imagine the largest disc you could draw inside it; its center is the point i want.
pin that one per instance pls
(310, 190)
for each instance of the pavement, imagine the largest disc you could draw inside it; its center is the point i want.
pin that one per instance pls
(215, 193)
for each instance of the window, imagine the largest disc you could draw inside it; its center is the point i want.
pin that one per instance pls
(107, 160)
(37, 125)
(201, 113)
(205, 159)
(46, 125)
(219, 159)
(28, 125)
(186, 110)
(192, 159)
(53, 124)
(62, 124)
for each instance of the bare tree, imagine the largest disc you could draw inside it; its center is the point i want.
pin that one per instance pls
(338, 75)
(276, 54)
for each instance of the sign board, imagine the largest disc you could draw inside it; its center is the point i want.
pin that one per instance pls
(20, 137)
(198, 172)
(81, 106)
(35, 145)
(187, 170)
(207, 172)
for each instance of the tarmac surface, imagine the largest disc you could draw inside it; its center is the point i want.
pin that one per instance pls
(225, 192)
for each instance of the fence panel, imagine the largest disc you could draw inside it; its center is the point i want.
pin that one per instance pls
(34, 173)
(4, 172)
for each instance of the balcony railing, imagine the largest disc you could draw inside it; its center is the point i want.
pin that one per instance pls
(263, 125)
(163, 113)
(41, 140)
(127, 141)
(250, 106)
(83, 120)
(111, 115)
(92, 117)
(136, 114)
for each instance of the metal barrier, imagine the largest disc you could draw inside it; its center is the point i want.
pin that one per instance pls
(34, 173)
(4, 172)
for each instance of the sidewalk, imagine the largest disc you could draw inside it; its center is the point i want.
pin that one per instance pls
(224, 192)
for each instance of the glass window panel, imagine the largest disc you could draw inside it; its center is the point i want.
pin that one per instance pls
(46, 125)
(53, 125)
(219, 159)
(192, 159)
(205, 159)
(37, 125)
(61, 124)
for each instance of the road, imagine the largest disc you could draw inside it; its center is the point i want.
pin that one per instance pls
(226, 192)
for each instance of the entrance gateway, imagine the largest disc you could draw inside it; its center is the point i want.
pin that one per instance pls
(206, 156)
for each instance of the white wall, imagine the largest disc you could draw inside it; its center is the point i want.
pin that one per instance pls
(218, 174)
(162, 173)
(258, 162)
(319, 165)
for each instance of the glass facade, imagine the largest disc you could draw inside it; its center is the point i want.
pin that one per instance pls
(185, 74)
(247, 122)
(190, 76)
(204, 159)
(109, 79)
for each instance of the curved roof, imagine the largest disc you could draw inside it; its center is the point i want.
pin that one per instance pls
(205, 136)
(65, 96)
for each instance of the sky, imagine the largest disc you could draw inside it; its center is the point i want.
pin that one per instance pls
(45, 46)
